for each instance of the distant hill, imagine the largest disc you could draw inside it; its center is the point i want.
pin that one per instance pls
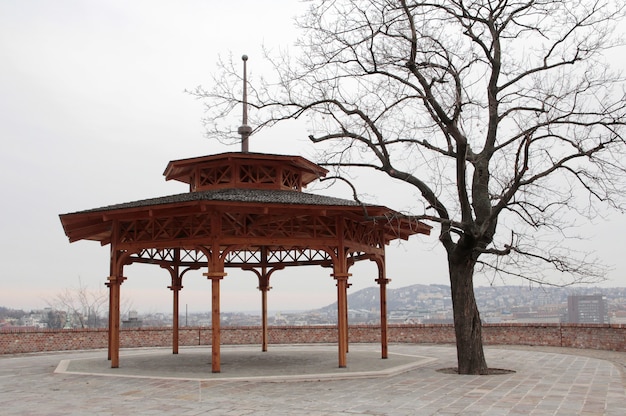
(407, 297)
(418, 296)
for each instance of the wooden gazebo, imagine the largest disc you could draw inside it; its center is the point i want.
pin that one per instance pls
(243, 210)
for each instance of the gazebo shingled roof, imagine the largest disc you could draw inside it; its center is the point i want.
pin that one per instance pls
(95, 224)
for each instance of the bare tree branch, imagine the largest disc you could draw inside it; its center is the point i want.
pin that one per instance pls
(84, 307)
(504, 115)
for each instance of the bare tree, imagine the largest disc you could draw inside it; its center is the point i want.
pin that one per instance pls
(83, 307)
(503, 114)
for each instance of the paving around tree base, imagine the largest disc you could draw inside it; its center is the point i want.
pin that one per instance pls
(305, 380)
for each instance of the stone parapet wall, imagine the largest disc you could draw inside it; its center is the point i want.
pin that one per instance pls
(602, 337)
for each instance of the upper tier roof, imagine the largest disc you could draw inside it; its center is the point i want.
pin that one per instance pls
(244, 170)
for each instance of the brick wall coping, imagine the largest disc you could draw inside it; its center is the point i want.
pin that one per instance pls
(14, 330)
(585, 336)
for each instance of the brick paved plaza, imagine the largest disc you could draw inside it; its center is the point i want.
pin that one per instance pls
(304, 380)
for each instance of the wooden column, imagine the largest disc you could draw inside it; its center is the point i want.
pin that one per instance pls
(264, 287)
(342, 315)
(215, 278)
(175, 287)
(214, 255)
(263, 276)
(115, 279)
(115, 282)
(340, 273)
(347, 317)
(110, 325)
(383, 315)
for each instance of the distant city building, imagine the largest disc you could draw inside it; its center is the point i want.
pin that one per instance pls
(133, 320)
(587, 309)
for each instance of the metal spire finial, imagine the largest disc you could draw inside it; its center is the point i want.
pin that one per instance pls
(245, 130)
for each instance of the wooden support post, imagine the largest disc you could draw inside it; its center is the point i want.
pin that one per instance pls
(115, 279)
(175, 287)
(109, 326)
(114, 320)
(342, 314)
(264, 337)
(215, 320)
(347, 319)
(340, 273)
(175, 316)
(215, 278)
(383, 315)
(264, 286)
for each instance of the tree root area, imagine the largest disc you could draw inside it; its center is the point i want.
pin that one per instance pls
(490, 371)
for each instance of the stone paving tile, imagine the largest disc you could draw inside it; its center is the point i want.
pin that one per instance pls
(546, 382)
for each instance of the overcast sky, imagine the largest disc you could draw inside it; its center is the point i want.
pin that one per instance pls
(92, 108)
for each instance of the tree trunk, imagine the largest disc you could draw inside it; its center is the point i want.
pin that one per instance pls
(467, 324)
